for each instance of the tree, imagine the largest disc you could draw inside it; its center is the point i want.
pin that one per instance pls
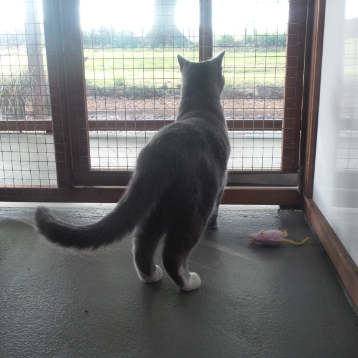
(164, 31)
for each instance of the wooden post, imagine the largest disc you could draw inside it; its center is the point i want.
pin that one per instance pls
(58, 93)
(311, 99)
(291, 124)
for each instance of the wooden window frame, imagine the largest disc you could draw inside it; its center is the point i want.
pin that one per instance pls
(71, 127)
(80, 126)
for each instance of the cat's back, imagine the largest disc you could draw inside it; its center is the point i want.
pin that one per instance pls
(192, 134)
(188, 146)
(199, 137)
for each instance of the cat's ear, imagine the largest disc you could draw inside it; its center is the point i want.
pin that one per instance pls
(182, 61)
(219, 58)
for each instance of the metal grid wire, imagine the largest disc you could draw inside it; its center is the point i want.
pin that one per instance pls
(254, 70)
(132, 75)
(347, 153)
(27, 156)
(132, 82)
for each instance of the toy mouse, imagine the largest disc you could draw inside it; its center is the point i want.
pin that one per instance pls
(273, 238)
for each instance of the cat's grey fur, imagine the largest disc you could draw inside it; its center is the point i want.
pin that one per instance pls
(176, 187)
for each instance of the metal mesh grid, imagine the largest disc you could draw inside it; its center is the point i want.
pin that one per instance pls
(132, 82)
(27, 154)
(347, 153)
(254, 38)
(133, 78)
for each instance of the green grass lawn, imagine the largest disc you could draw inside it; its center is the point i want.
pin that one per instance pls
(139, 67)
(148, 67)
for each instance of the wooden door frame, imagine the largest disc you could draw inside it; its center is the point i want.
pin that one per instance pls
(77, 102)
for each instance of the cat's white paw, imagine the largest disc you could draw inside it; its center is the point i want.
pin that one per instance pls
(192, 282)
(156, 276)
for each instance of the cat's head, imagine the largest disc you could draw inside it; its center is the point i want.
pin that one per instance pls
(204, 77)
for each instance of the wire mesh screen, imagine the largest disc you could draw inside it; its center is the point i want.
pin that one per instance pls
(27, 154)
(133, 80)
(254, 37)
(132, 75)
(86, 85)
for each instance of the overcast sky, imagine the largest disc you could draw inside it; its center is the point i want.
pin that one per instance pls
(229, 16)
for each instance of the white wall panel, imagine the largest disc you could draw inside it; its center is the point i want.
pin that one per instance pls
(336, 170)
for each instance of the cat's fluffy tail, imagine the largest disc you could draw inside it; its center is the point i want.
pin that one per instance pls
(133, 207)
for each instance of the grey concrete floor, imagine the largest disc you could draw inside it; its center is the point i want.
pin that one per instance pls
(254, 301)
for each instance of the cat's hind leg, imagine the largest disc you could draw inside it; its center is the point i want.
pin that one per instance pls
(145, 244)
(213, 221)
(179, 242)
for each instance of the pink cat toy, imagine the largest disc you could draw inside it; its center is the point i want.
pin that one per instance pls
(273, 238)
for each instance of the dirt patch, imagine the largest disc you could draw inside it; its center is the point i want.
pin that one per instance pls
(165, 107)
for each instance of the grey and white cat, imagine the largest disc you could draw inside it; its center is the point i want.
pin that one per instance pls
(176, 187)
